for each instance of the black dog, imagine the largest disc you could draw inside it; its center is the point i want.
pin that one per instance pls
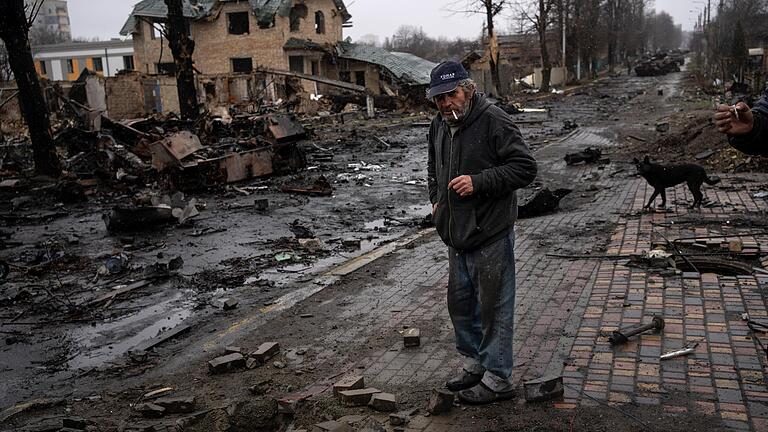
(662, 177)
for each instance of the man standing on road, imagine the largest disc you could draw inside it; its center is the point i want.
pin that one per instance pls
(747, 129)
(477, 160)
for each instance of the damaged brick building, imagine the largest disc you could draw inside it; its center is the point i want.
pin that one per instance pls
(258, 36)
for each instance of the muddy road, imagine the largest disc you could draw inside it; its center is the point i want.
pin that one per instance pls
(65, 340)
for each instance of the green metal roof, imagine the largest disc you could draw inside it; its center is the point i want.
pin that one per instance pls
(265, 10)
(407, 68)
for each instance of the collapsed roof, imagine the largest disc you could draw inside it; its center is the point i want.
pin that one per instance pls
(405, 67)
(264, 10)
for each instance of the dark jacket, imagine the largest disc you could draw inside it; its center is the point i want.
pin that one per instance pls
(755, 142)
(490, 149)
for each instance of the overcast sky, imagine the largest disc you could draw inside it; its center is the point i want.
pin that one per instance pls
(104, 18)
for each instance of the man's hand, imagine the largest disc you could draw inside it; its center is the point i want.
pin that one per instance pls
(462, 185)
(734, 120)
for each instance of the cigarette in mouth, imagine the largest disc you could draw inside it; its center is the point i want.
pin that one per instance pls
(454, 115)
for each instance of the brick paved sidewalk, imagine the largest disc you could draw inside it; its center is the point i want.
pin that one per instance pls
(565, 308)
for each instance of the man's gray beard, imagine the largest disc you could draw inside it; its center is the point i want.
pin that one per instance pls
(461, 116)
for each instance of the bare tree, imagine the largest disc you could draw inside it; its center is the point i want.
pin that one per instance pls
(182, 47)
(491, 9)
(538, 15)
(15, 22)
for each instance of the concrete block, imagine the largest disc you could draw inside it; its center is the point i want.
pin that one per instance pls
(441, 401)
(233, 350)
(252, 363)
(230, 304)
(357, 397)
(348, 383)
(266, 351)
(385, 402)
(412, 337)
(226, 363)
(399, 419)
(331, 426)
(150, 410)
(177, 405)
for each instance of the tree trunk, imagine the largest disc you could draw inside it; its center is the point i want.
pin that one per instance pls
(14, 31)
(493, 48)
(611, 35)
(182, 47)
(546, 64)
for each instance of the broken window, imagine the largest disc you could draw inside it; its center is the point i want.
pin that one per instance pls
(360, 78)
(166, 68)
(128, 62)
(319, 22)
(43, 69)
(315, 68)
(97, 64)
(242, 65)
(70, 66)
(298, 13)
(345, 76)
(238, 23)
(296, 64)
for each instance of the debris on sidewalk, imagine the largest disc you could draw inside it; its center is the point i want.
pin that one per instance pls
(411, 337)
(440, 402)
(359, 397)
(587, 156)
(622, 336)
(348, 383)
(543, 389)
(384, 402)
(544, 201)
(226, 363)
(688, 349)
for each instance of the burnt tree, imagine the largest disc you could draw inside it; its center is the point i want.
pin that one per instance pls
(15, 22)
(182, 47)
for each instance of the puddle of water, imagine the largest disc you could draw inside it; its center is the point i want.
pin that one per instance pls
(292, 272)
(107, 341)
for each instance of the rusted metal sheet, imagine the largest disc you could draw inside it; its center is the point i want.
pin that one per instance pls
(171, 150)
(284, 129)
(245, 165)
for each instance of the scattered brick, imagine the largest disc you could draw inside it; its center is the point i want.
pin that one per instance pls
(348, 383)
(150, 410)
(177, 405)
(266, 351)
(384, 402)
(412, 337)
(440, 402)
(357, 397)
(226, 363)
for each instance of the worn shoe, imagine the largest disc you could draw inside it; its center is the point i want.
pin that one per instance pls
(464, 381)
(481, 395)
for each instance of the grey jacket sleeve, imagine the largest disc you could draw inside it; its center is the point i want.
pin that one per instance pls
(517, 168)
(755, 142)
(431, 168)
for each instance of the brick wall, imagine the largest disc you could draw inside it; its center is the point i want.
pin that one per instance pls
(147, 51)
(125, 96)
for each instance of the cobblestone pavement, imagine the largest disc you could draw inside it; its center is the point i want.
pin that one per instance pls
(565, 308)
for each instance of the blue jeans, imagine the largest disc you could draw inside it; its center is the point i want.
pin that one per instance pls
(481, 302)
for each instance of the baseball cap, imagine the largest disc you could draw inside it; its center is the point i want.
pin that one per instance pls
(445, 77)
